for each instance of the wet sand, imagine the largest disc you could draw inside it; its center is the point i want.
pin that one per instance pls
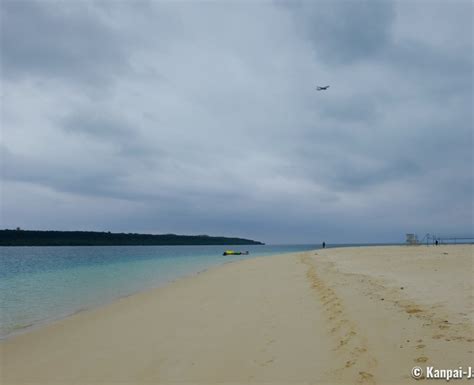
(349, 315)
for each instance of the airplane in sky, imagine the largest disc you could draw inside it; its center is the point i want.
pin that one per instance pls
(322, 88)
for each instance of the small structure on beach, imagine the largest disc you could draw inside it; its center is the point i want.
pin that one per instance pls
(412, 239)
(436, 239)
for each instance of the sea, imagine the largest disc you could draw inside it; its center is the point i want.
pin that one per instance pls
(41, 284)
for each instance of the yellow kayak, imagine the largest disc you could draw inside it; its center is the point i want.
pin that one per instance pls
(232, 252)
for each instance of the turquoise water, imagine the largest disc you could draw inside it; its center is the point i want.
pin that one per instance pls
(40, 284)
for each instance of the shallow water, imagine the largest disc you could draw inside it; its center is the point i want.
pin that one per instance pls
(40, 284)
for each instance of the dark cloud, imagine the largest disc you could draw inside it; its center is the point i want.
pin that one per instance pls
(57, 175)
(345, 31)
(114, 131)
(352, 109)
(433, 71)
(98, 126)
(62, 41)
(205, 119)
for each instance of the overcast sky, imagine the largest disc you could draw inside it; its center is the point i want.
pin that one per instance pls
(203, 118)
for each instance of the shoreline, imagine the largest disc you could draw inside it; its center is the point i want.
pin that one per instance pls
(50, 321)
(19, 322)
(45, 322)
(336, 315)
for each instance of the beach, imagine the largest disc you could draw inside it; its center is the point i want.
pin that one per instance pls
(363, 315)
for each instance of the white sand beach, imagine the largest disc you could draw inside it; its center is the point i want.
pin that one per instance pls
(335, 316)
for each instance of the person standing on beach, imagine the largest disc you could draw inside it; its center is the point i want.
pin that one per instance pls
(324, 245)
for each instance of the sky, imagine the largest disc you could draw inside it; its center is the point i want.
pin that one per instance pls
(203, 118)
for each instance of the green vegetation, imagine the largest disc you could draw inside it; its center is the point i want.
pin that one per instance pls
(20, 237)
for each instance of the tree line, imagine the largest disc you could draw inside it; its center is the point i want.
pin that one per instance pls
(20, 237)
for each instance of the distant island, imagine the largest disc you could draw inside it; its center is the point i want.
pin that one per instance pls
(20, 237)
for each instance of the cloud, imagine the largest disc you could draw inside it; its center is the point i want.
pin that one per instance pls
(97, 126)
(344, 32)
(180, 118)
(66, 42)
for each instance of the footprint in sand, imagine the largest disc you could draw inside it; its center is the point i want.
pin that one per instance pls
(421, 359)
(343, 342)
(413, 311)
(366, 377)
(347, 338)
(327, 302)
(267, 362)
(421, 346)
(350, 363)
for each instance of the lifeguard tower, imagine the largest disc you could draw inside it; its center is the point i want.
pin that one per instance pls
(412, 239)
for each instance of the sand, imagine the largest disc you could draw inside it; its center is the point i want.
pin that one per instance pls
(333, 316)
